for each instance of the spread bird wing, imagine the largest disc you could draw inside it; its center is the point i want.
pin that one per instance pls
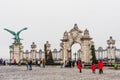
(21, 30)
(10, 31)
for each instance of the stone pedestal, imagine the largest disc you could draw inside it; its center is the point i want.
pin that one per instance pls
(111, 54)
(16, 52)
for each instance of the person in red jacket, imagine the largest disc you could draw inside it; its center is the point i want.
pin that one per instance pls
(93, 67)
(100, 67)
(79, 65)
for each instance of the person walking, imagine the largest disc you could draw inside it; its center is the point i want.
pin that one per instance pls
(1, 61)
(100, 67)
(79, 65)
(73, 64)
(38, 63)
(27, 63)
(115, 66)
(30, 64)
(43, 63)
(93, 67)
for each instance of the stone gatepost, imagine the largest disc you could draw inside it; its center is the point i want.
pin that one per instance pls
(111, 50)
(16, 52)
(64, 55)
(47, 51)
(33, 52)
(85, 47)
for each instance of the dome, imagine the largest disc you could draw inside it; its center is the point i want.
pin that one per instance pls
(100, 48)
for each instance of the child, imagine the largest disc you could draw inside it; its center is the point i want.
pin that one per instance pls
(100, 66)
(79, 65)
(93, 67)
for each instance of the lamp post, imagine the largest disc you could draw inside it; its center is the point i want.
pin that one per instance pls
(78, 54)
(75, 56)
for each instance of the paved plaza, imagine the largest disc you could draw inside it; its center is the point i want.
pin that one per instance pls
(55, 73)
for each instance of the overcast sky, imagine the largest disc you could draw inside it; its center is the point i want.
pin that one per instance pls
(47, 20)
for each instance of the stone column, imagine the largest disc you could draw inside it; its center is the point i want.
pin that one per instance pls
(64, 51)
(86, 52)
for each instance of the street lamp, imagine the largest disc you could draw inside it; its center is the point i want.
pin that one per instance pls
(75, 56)
(78, 54)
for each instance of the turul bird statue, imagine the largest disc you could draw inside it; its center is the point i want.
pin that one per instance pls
(16, 34)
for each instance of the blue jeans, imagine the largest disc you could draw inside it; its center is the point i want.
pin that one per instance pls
(27, 66)
(30, 65)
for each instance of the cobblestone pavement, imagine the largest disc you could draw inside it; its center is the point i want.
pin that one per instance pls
(55, 73)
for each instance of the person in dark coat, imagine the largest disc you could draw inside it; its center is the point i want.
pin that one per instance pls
(4, 62)
(1, 61)
(100, 67)
(79, 65)
(30, 65)
(69, 63)
(73, 64)
(27, 63)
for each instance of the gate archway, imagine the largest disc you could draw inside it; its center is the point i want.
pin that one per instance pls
(75, 54)
(75, 35)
